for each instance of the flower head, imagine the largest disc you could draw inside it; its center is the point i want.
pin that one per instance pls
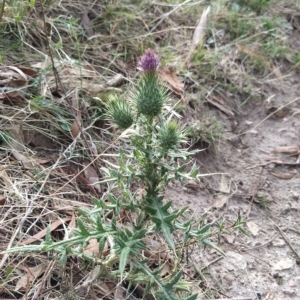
(149, 61)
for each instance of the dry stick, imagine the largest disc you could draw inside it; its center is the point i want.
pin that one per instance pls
(28, 211)
(286, 239)
(2, 10)
(260, 246)
(276, 162)
(50, 265)
(254, 192)
(211, 263)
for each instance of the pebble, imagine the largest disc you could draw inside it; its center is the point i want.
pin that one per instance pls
(283, 264)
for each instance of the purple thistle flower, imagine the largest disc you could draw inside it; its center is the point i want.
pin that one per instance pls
(149, 61)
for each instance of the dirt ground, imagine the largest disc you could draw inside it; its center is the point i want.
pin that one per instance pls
(259, 161)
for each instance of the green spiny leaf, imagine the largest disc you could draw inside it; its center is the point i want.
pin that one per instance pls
(84, 232)
(102, 242)
(173, 280)
(48, 240)
(97, 202)
(167, 233)
(212, 245)
(192, 297)
(123, 259)
(204, 229)
(63, 258)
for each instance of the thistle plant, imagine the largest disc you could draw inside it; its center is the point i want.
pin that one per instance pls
(150, 156)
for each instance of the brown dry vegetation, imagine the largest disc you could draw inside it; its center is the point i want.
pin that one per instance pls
(62, 60)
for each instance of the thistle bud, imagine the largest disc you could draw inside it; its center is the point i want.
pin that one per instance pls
(119, 112)
(169, 135)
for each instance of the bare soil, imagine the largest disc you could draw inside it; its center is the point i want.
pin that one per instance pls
(263, 185)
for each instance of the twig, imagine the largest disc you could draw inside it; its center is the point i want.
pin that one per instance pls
(260, 246)
(220, 107)
(211, 263)
(254, 192)
(276, 162)
(36, 296)
(286, 239)
(2, 10)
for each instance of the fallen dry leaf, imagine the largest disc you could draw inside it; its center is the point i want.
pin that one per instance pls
(2, 200)
(225, 184)
(29, 72)
(287, 149)
(280, 113)
(30, 275)
(86, 24)
(93, 248)
(221, 107)
(220, 201)
(72, 224)
(168, 74)
(92, 176)
(75, 126)
(42, 233)
(80, 178)
(283, 175)
(199, 32)
(23, 76)
(116, 80)
(6, 179)
(18, 149)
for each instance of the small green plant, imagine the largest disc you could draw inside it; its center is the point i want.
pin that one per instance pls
(296, 61)
(255, 5)
(262, 201)
(150, 157)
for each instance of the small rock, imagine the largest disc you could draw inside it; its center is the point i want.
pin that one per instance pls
(288, 291)
(229, 238)
(279, 242)
(253, 228)
(297, 280)
(270, 166)
(235, 261)
(292, 283)
(283, 264)
(295, 195)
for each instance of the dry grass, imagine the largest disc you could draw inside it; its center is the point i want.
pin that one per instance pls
(39, 175)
